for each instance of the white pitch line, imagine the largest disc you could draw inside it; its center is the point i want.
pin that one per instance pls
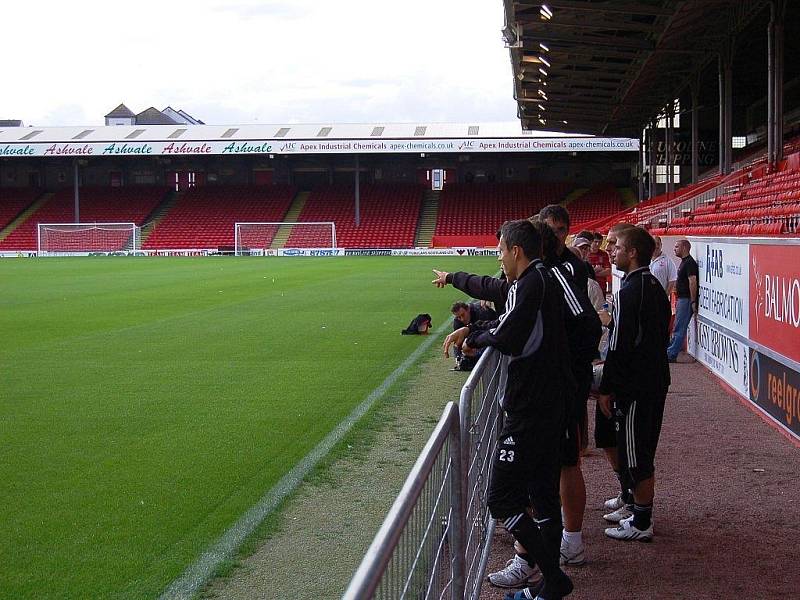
(198, 573)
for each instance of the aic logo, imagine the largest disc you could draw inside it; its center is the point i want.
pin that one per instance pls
(714, 266)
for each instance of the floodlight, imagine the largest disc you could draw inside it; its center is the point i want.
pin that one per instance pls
(510, 37)
(544, 47)
(542, 59)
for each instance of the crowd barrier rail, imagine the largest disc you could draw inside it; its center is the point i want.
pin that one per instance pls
(435, 539)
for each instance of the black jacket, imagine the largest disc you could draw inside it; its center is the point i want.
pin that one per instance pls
(531, 333)
(578, 268)
(582, 323)
(482, 287)
(636, 366)
(584, 328)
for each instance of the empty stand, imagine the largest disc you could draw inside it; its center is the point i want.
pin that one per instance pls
(389, 214)
(480, 209)
(97, 205)
(204, 217)
(769, 205)
(13, 201)
(598, 202)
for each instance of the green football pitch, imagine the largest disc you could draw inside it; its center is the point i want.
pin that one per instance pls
(146, 403)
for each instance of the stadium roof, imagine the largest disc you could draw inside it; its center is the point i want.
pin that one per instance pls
(606, 67)
(286, 131)
(305, 138)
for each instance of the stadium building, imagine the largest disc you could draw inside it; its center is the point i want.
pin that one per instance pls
(186, 185)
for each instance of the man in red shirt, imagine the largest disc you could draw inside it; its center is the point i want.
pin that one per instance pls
(602, 264)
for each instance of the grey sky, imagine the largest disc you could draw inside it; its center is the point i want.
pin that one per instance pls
(257, 61)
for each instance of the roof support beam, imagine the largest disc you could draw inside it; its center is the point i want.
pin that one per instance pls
(600, 40)
(630, 8)
(533, 21)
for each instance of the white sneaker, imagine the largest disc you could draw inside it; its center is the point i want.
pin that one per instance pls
(614, 503)
(627, 532)
(618, 515)
(516, 574)
(572, 554)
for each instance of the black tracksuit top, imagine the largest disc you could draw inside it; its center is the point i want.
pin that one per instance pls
(531, 333)
(636, 366)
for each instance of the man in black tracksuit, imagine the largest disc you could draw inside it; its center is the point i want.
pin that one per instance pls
(526, 465)
(583, 335)
(636, 377)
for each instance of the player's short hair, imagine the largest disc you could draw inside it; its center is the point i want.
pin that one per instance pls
(598, 236)
(522, 233)
(619, 227)
(642, 241)
(586, 234)
(555, 212)
(457, 306)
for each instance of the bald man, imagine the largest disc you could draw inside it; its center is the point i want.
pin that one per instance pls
(686, 287)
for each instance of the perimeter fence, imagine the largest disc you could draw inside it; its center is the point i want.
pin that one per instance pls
(435, 540)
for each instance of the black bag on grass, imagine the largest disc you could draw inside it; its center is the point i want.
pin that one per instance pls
(418, 326)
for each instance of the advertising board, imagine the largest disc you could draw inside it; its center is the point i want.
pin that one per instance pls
(775, 298)
(724, 355)
(724, 284)
(775, 389)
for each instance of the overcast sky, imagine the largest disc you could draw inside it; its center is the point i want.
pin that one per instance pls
(257, 61)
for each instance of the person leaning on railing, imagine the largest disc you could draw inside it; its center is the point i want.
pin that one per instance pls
(526, 464)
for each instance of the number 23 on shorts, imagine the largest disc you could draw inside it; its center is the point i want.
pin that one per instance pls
(506, 455)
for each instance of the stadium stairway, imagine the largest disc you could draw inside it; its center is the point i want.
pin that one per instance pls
(427, 219)
(154, 218)
(628, 197)
(23, 216)
(291, 216)
(574, 195)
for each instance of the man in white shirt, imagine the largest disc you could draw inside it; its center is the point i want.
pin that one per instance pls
(663, 268)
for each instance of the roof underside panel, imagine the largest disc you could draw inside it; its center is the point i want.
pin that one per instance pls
(609, 66)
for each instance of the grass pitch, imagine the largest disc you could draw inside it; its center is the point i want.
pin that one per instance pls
(145, 404)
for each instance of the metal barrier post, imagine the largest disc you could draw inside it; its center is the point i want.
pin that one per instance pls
(456, 525)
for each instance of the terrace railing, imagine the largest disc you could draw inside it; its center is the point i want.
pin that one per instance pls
(434, 543)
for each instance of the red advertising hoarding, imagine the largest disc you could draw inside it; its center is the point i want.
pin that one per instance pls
(775, 298)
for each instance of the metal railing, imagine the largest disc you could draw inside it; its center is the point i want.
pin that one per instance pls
(479, 409)
(434, 542)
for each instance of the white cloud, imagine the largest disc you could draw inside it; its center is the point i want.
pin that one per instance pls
(258, 60)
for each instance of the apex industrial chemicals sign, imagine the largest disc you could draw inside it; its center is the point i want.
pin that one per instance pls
(748, 331)
(260, 147)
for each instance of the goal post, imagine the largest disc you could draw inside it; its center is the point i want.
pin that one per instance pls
(63, 239)
(261, 236)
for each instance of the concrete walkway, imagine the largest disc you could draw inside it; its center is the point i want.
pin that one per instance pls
(727, 510)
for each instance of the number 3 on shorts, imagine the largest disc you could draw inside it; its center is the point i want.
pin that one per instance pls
(507, 455)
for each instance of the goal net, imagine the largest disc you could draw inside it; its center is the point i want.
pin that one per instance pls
(255, 238)
(63, 239)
